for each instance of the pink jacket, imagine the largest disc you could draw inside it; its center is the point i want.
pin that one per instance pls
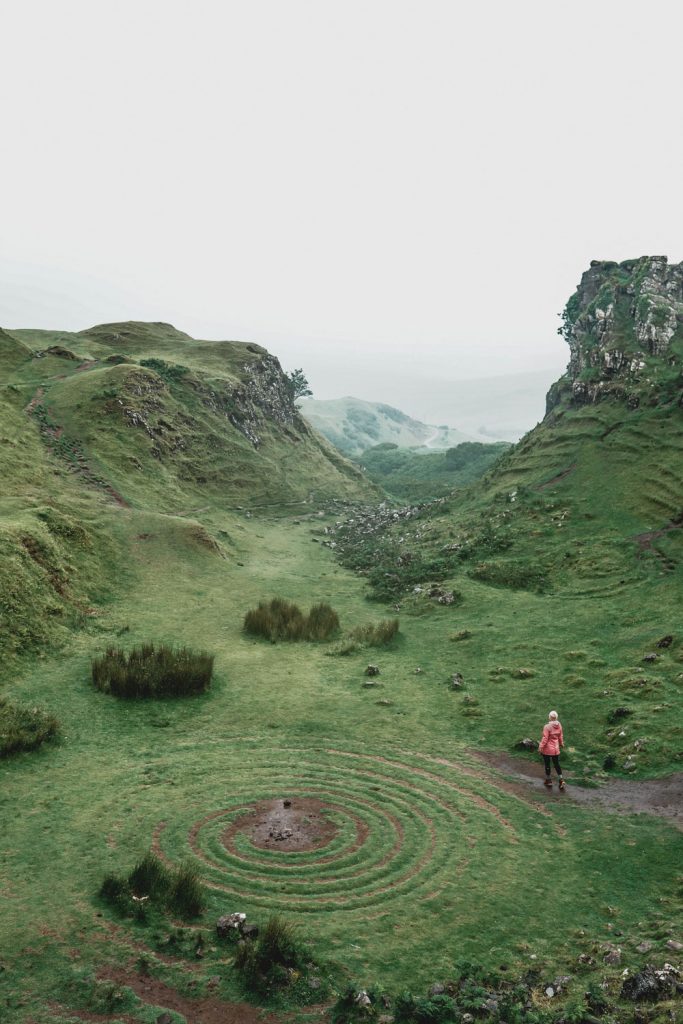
(552, 739)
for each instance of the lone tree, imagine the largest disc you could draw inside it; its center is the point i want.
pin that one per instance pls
(298, 384)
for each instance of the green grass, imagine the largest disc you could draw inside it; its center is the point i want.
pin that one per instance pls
(431, 856)
(421, 475)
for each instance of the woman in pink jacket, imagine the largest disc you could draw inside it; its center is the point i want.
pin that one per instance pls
(551, 743)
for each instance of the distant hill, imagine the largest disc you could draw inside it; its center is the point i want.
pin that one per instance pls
(353, 425)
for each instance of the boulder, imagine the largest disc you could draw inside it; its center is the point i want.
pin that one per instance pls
(230, 924)
(650, 983)
(526, 744)
(666, 641)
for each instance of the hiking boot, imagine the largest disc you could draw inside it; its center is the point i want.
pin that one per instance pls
(548, 783)
(561, 785)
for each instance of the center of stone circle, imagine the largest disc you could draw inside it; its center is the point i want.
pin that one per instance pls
(286, 824)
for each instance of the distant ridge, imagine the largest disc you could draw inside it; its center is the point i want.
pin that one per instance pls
(354, 425)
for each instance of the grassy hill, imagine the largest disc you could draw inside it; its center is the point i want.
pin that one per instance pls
(353, 426)
(424, 864)
(418, 476)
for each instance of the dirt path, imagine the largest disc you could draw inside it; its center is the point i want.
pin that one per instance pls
(662, 798)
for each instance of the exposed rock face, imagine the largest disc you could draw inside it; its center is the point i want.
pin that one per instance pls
(622, 318)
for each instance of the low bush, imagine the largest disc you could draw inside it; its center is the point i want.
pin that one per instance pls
(283, 620)
(151, 671)
(275, 960)
(24, 728)
(376, 634)
(152, 885)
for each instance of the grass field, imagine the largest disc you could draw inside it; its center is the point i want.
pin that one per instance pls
(424, 855)
(433, 857)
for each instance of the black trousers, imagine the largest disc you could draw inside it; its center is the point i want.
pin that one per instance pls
(556, 761)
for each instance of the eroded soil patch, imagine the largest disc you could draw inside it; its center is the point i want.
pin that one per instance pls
(303, 825)
(662, 798)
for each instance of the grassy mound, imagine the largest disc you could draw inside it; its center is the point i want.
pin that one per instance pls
(24, 728)
(149, 671)
(283, 620)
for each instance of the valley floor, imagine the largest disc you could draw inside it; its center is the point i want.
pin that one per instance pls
(431, 854)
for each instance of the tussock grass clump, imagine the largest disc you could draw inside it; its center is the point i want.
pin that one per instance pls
(24, 728)
(283, 620)
(277, 959)
(151, 884)
(376, 634)
(150, 671)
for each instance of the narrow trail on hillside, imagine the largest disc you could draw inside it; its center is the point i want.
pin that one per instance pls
(662, 798)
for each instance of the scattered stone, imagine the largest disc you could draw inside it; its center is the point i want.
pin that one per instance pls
(522, 673)
(372, 670)
(629, 764)
(314, 983)
(650, 983)
(418, 671)
(561, 982)
(526, 744)
(164, 1018)
(674, 945)
(371, 684)
(613, 957)
(362, 999)
(550, 991)
(383, 702)
(286, 803)
(644, 947)
(586, 960)
(649, 658)
(467, 1018)
(250, 931)
(666, 641)
(457, 682)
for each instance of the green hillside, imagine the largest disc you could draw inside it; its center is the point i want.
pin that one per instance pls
(155, 490)
(353, 426)
(419, 476)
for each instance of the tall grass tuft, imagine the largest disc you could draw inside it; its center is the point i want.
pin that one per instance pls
(376, 634)
(152, 671)
(269, 962)
(283, 620)
(151, 884)
(24, 728)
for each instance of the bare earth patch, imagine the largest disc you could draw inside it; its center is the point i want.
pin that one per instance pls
(662, 798)
(271, 825)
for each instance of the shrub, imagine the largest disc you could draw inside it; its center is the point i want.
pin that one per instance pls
(150, 880)
(186, 896)
(283, 620)
(376, 634)
(273, 960)
(150, 671)
(24, 728)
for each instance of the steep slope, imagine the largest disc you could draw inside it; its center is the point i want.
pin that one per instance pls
(570, 548)
(102, 439)
(353, 426)
(159, 418)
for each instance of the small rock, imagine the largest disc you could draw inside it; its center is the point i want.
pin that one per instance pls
(286, 803)
(314, 983)
(629, 764)
(666, 641)
(526, 744)
(383, 702)
(650, 983)
(229, 923)
(370, 684)
(372, 670)
(649, 658)
(164, 1018)
(437, 990)
(674, 945)
(644, 947)
(362, 999)
(550, 991)
(418, 671)
(612, 958)
(467, 1018)
(457, 682)
(250, 931)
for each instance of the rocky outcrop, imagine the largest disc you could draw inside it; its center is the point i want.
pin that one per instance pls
(622, 319)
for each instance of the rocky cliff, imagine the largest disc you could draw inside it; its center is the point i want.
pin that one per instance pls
(624, 327)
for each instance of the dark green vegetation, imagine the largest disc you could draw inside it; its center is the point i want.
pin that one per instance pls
(420, 475)
(278, 959)
(151, 886)
(554, 581)
(284, 620)
(24, 728)
(149, 671)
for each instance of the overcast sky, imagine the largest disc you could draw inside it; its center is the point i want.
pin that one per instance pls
(377, 191)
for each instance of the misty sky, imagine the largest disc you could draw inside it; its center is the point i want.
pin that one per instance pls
(389, 194)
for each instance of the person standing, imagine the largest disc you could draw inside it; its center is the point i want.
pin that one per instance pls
(551, 743)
